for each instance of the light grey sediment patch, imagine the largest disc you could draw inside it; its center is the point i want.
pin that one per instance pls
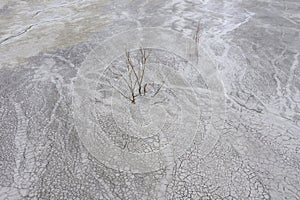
(191, 103)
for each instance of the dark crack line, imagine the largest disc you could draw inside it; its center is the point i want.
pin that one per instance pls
(13, 36)
(244, 106)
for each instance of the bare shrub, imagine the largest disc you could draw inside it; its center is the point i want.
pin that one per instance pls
(135, 76)
(140, 72)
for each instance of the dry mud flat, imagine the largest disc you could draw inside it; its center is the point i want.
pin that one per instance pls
(224, 125)
(149, 134)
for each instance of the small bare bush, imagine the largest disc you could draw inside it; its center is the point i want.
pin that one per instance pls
(134, 78)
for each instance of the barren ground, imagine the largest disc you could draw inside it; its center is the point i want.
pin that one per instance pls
(224, 124)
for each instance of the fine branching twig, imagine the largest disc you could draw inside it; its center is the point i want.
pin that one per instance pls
(196, 40)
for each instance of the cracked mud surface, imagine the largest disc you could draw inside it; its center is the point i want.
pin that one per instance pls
(64, 135)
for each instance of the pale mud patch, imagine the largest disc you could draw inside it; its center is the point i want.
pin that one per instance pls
(155, 131)
(27, 28)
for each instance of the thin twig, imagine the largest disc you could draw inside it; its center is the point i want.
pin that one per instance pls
(158, 89)
(145, 88)
(131, 65)
(196, 39)
(120, 92)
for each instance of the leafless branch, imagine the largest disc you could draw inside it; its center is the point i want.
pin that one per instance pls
(158, 89)
(120, 92)
(196, 40)
(139, 75)
(144, 60)
(145, 90)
